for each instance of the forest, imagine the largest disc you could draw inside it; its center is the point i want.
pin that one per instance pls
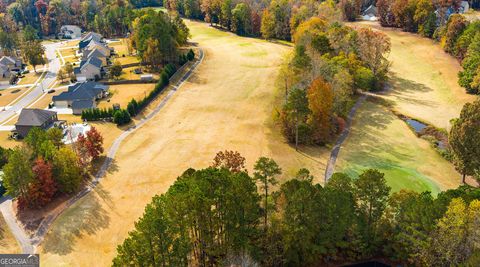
(223, 215)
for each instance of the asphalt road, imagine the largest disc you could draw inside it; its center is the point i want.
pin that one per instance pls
(54, 65)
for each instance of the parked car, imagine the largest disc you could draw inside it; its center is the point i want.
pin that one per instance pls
(51, 91)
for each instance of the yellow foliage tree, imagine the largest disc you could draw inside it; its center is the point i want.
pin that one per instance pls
(320, 102)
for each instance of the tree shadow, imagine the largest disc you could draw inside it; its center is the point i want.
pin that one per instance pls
(87, 217)
(405, 91)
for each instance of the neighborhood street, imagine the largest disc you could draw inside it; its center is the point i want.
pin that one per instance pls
(50, 77)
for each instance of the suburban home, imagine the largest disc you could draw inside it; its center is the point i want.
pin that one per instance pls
(70, 31)
(81, 96)
(91, 36)
(30, 118)
(8, 65)
(95, 53)
(100, 46)
(90, 69)
(370, 13)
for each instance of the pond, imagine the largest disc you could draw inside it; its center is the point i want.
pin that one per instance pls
(416, 125)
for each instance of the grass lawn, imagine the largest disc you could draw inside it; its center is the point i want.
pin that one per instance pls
(47, 99)
(70, 43)
(123, 93)
(30, 78)
(128, 74)
(8, 244)
(68, 52)
(6, 142)
(424, 78)
(378, 139)
(120, 47)
(9, 95)
(126, 60)
(226, 104)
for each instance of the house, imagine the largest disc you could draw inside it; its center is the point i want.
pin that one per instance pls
(95, 53)
(90, 69)
(370, 13)
(146, 77)
(9, 65)
(70, 31)
(30, 118)
(464, 7)
(100, 46)
(87, 38)
(80, 96)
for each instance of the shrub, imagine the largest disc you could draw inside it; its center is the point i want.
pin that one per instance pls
(190, 55)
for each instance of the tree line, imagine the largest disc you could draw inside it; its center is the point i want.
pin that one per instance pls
(320, 78)
(222, 216)
(43, 168)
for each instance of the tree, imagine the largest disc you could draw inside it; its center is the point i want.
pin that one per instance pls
(296, 110)
(463, 139)
(61, 75)
(425, 18)
(268, 25)
(33, 53)
(44, 187)
(372, 48)
(320, 103)
(152, 54)
(66, 170)
(55, 135)
(471, 66)
(265, 173)
(116, 69)
(95, 143)
(18, 174)
(68, 70)
(230, 160)
(371, 194)
(29, 34)
(455, 27)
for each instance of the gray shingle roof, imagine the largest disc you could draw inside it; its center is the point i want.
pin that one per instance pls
(34, 117)
(82, 104)
(81, 91)
(91, 60)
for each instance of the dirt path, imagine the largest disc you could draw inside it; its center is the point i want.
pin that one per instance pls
(343, 136)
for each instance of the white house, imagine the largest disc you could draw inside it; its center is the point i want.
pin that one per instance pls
(71, 31)
(89, 69)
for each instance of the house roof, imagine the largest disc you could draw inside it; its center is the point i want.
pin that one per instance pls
(92, 36)
(3, 68)
(81, 91)
(95, 53)
(371, 11)
(34, 117)
(7, 60)
(91, 60)
(82, 104)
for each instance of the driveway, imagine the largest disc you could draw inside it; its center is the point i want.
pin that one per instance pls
(38, 90)
(22, 238)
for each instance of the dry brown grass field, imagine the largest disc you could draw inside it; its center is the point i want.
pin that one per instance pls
(124, 93)
(226, 104)
(8, 244)
(424, 78)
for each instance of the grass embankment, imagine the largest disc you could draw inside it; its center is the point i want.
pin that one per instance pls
(8, 244)
(226, 104)
(379, 139)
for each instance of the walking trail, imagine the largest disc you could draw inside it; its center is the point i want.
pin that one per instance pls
(28, 244)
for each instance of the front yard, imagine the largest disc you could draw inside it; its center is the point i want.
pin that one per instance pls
(122, 94)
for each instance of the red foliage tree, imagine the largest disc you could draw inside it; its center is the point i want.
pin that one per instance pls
(94, 143)
(231, 160)
(44, 187)
(81, 147)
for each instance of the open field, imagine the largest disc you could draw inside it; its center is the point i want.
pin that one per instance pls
(424, 78)
(122, 94)
(226, 104)
(379, 139)
(8, 244)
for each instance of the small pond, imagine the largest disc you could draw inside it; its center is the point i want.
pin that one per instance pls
(416, 125)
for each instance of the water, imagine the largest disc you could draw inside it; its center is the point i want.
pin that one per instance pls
(417, 126)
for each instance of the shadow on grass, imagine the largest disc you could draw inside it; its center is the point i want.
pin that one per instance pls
(85, 218)
(405, 91)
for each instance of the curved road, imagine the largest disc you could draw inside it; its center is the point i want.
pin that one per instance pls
(54, 65)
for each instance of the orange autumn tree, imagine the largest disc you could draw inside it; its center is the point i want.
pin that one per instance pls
(320, 102)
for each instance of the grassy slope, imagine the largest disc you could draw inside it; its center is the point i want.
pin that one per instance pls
(226, 104)
(8, 244)
(379, 139)
(424, 78)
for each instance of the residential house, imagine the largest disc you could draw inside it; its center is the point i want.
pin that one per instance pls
(9, 65)
(370, 13)
(87, 38)
(30, 118)
(80, 96)
(90, 69)
(100, 46)
(70, 31)
(100, 54)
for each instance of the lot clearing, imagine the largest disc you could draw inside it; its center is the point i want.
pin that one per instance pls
(8, 243)
(122, 94)
(424, 78)
(226, 104)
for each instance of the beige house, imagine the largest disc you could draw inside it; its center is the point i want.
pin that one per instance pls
(95, 53)
(100, 46)
(90, 69)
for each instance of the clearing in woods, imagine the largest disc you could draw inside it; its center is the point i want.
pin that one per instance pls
(226, 104)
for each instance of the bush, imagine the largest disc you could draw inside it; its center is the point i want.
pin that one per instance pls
(121, 117)
(190, 55)
(364, 79)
